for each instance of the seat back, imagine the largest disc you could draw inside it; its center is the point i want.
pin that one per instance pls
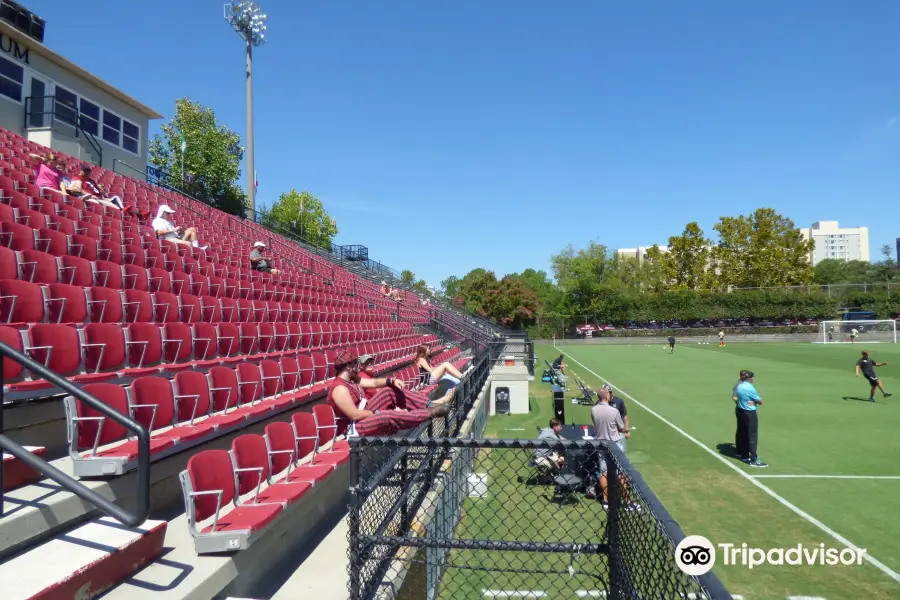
(280, 442)
(304, 425)
(56, 346)
(153, 392)
(210, 470)
(249, 452)
(191, 388)
(144, 345)
(105, 431)
(223, 387)
(326, 427)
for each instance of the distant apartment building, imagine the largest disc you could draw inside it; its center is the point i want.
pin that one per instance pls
(840, 243)
(639, 253)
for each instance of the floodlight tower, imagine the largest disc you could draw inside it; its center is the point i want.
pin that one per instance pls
(249, 21)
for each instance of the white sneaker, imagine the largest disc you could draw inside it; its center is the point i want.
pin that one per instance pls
(195, 244)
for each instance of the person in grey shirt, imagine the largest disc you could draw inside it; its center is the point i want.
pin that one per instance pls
(259, 262)
(548, 460)
(619, 404)
(609, 426)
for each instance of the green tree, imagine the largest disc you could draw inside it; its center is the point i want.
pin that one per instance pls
(477, 291)
(301, 213)
(407, 277)
(450, 288)
(512, 303)
(830, 271)
(762, 249)
(688, 259)
(421, 288)
(583, 277)
(211, 158)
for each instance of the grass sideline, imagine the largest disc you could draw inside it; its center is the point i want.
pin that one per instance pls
(813, 423)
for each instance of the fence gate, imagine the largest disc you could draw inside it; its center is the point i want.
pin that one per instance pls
(460, 519)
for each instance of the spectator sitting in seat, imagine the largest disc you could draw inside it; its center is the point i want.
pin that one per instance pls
(432, 375)
(385, 289)
(550, 461)
(49, 172)
(560, 364)
(391, 409)
(88, 190)
(259, 262)
(166, 231)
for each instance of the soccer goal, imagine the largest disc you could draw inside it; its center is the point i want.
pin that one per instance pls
(867, 332)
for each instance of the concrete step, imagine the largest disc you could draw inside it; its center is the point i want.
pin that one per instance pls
(81, 563)
(16, 473)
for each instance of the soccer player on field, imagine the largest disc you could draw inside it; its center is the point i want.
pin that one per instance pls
(867, 365)
(671, 344)
(853, 334)
(721, 338)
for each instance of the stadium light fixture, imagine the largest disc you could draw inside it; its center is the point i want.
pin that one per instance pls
(249, 21)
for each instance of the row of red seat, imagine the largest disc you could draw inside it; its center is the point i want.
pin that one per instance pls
(23, 303)
(193, 407)
(105, 351)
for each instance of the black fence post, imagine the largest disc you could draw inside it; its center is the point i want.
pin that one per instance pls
(616, 583)
(353, 522)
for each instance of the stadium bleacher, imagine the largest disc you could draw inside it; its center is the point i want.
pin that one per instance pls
(225, 366)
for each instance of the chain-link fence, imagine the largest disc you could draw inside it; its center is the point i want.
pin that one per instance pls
(455, 519)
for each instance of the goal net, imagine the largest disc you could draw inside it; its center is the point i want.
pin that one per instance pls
(867, 332)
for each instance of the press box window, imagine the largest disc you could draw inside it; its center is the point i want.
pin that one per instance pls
(112, 127)
(12, 77)
(90, 117)
(66, 105)
(131, 136)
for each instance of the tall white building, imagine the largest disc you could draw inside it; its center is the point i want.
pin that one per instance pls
(833, 241)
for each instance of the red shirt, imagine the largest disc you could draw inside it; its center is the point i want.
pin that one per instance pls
(369, 392)
(341, 419)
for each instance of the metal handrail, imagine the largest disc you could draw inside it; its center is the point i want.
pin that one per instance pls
(132, 519)
(90, 137)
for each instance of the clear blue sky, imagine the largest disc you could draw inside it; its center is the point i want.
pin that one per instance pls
(453, 134)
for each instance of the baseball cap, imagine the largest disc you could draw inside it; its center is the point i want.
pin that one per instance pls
(607, 387)
(365, 358)
(745, 374)
(259, 245)
(166, 208)
(344, 357)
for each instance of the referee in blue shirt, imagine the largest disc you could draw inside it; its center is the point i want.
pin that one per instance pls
(747, 402)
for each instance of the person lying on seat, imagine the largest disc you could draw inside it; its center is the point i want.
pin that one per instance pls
(391, 409)
(88, 190)
(429, 375)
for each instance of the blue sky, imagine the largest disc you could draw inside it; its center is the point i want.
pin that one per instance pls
(448, 135)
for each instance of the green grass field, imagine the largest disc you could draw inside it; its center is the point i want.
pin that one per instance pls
(815, 424)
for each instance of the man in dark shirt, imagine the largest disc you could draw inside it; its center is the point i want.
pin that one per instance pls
(619, 404)
(867, 365)
(671, 344)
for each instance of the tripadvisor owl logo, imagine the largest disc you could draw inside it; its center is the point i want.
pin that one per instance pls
(695, 555)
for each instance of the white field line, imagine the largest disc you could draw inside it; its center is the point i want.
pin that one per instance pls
(882, 477)
(768, 491)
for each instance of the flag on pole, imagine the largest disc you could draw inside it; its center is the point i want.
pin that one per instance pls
(183, 142)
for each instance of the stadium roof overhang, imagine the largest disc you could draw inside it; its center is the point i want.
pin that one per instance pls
(51, 56)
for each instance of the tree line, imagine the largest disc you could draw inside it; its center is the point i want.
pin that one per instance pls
(693, 278)
(199, 156)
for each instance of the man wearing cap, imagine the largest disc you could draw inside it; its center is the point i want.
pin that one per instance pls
(391, 408)
(371, 384)
(259, 262)
(165, 230)
(747, 402)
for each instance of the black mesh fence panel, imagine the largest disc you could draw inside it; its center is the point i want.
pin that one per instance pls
(454, 519)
